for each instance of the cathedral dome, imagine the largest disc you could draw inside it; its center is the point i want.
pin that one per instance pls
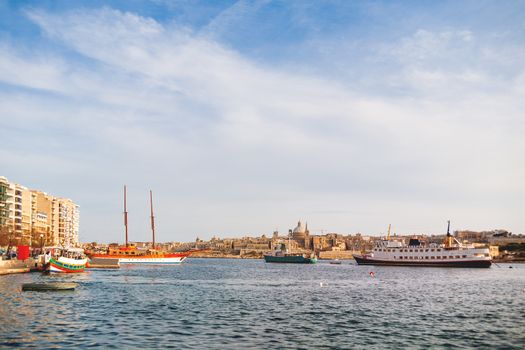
(300, 228)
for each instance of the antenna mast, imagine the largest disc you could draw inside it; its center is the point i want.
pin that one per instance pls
(152, 217)
(388, 236)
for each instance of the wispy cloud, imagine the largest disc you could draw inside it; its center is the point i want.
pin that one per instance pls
(235, 144)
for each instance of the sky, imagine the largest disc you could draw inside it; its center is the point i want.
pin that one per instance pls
(244, 117)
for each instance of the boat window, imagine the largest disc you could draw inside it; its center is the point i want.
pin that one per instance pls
(432, 249)
(400, 258)
(457, 256)
(426, 257)
(439, 250)
(432, 257)
(411, 250)
(464, 256)
(438, 257)
(426, 250)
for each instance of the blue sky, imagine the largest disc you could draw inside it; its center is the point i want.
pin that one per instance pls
(246, 116)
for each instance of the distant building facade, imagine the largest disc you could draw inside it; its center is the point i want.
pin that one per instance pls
(36, 218)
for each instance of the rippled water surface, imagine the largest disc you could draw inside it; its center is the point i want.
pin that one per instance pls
(222, 303)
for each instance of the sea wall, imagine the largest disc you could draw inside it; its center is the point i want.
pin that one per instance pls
(337, 254)
(14, 266)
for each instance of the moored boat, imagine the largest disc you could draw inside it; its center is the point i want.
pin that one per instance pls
(290, 258)
(449, 254)
(45, 287)
(130, 254)
(65, 260)
(283, 255)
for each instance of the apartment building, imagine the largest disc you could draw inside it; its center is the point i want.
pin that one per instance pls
(37, 218)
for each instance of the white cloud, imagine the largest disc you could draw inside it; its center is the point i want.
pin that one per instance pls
(225, 137)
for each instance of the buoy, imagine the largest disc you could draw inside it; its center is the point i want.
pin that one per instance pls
(320, 284)
(372, 274)
(45, 287)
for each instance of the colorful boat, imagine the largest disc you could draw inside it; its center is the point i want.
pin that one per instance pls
(130, 254)
(65, 260)
(449, 254)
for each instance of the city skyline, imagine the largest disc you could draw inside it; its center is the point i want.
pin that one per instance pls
(244, 117)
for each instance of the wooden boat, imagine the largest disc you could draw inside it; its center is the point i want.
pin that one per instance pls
(130, 254)
(49, 286)
(64, 260)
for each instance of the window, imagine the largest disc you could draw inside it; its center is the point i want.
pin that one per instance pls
(426, 250)
(464, 256)
(432, 257)
(432, 249)
(426, 257)
(411, 250)
(439, 250)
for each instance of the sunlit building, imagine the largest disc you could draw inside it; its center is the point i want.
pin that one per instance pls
(36, 218)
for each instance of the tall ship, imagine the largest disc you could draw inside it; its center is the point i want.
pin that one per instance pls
(130, 254)
(416, 253)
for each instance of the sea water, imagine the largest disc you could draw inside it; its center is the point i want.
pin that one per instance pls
(249, 304)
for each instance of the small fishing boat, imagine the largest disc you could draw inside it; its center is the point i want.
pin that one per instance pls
(48, 286)
(64, 260)
(335, 262)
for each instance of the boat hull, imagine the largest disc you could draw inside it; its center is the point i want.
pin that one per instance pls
(146, 259)
(66, 265)
(294, 259)
(152, 261)
(457, 263)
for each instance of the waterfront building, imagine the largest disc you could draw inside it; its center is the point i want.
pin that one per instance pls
(36, 218)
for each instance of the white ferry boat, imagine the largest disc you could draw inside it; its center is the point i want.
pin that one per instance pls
(449, 254)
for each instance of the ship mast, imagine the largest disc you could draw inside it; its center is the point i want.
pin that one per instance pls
(388, 236)
(125, 216)
(152, 217)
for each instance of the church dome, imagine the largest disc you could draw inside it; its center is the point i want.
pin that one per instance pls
(300, 228)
